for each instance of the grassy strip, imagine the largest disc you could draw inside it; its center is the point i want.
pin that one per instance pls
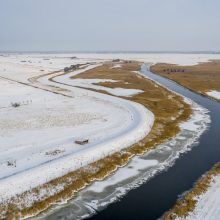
(187, 204)
(169, 109)
(199, 78)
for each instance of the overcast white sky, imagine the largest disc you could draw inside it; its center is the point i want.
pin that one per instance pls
(110, 25)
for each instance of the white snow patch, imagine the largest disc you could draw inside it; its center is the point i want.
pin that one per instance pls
(116, 66)
(213, 93)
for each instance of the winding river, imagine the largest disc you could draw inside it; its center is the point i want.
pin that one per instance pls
(150, 200)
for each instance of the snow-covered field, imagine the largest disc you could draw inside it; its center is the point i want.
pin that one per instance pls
(208, 205)
(37, 138)
(215, 94)
(181, 59)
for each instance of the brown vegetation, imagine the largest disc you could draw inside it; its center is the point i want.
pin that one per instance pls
(200, 78)
(169, 110)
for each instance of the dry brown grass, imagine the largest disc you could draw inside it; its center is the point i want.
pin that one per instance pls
(188, 203)
(200, 78)
(163, 103)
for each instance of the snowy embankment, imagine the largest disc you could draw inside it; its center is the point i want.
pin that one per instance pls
(38, 137)
(207, 206)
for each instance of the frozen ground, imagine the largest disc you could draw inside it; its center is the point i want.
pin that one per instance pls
(215, 94)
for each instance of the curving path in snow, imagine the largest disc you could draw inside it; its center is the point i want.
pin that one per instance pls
(38, 138)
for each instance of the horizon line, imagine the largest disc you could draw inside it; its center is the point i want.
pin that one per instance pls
(113, 51)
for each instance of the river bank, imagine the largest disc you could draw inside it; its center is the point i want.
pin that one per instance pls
(202, 202)
(202, 78)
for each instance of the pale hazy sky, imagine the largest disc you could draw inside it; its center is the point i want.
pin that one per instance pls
(109, 25)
